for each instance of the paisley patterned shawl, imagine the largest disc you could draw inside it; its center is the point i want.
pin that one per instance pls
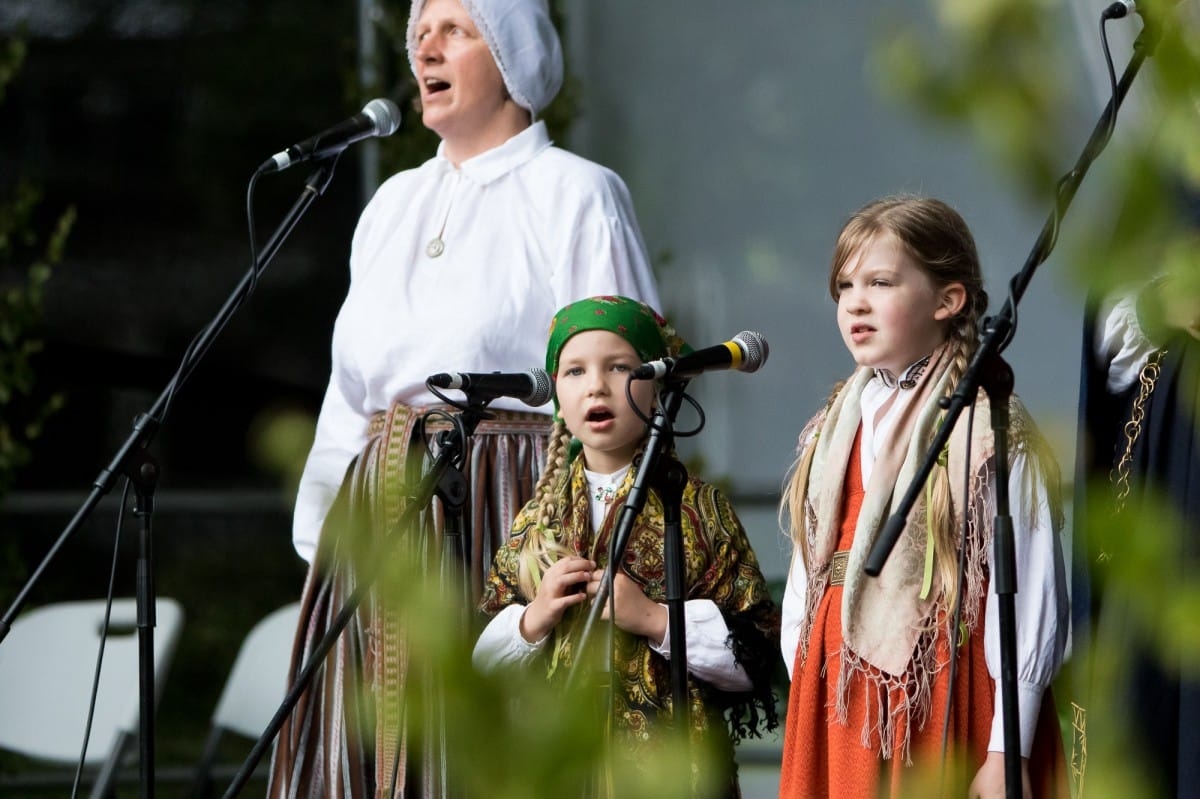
(719, 565)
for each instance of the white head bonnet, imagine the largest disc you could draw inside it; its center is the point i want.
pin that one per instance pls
(522, 40)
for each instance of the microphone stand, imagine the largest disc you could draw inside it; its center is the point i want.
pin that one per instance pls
(134, 460)
(451, 489)
(441, 473)
(659, 469)
(989, 370)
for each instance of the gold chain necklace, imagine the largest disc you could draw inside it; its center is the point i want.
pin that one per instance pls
(1133, 428)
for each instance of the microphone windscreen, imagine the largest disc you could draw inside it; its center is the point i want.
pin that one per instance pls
(385, 114)
(543, 388)
(755, 347)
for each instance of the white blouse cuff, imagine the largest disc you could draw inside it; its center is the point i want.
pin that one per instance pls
(708, 654)
(501, 642)
(1029, 706)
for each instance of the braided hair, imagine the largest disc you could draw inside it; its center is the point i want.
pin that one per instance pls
(541, 548)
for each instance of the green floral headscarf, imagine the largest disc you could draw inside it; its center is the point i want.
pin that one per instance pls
(650, 335)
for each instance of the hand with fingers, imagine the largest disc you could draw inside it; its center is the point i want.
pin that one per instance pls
(635, 612)
(989, 780)
(563, 586)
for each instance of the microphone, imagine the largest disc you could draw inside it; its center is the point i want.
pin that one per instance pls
(532, 387)
(380, 117)
(1145, 10)
(1119, 9)
(745, 352)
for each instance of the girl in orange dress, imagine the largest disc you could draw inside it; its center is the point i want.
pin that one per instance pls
(895, 679)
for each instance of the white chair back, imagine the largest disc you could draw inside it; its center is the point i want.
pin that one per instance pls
(47, 664)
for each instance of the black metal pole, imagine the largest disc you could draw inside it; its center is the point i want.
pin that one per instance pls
(145, 478)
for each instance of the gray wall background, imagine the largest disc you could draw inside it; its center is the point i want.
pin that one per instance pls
(747, 132)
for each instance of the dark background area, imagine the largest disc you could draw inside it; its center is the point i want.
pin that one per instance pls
(152, 134)
(149, 118)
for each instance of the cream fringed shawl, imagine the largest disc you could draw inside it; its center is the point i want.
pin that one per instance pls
(889, 629)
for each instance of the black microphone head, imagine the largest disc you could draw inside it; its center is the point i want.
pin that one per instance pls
(443, 380)
(385, 114)
(755, 348)
(543, 388)
(652, 370)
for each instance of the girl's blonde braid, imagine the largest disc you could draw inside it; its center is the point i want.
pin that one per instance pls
(540, 548)
(963, 342)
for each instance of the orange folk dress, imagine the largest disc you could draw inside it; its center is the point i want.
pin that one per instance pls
(824, 757)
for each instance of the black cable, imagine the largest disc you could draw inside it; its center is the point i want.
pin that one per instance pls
(250, 234)
(462, 405)
(649, 421)
(455, 421)
(112, 578)
(1065, 188)
(1108, 62)
(193, 354)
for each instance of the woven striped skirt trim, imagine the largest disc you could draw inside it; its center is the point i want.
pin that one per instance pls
(328, 747)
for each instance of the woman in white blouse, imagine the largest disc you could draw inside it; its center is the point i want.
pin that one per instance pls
(456, 265)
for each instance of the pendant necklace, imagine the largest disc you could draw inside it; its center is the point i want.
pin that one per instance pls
(437, 244)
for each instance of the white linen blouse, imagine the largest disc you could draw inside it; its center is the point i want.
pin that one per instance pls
(526, 227)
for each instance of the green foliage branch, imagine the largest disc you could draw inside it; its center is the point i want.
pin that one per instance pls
(25, 268)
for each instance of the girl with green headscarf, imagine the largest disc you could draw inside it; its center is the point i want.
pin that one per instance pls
(543, 580)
